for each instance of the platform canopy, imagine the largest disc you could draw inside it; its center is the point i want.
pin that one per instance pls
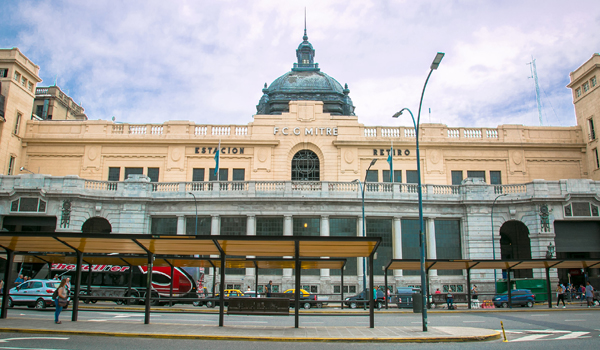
(414, 264)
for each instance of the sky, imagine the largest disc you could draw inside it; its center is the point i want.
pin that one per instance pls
(207, 61)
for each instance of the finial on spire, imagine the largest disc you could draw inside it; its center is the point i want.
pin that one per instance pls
(305, 37)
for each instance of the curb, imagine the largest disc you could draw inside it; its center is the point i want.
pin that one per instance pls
(451, 339)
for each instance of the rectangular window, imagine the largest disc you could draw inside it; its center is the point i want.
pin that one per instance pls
(381, 228)
(578, 92)
(164, 226)
(592, 130)
(133, 171)
(344, 227)
(30, 86)
(17, 76)
(270, 226)
(11, 165)
(447, 243)
(457, 177)
(307, 227)
(39, 110)
(223, 174)
(23, 81)
(234, 226)
(597, 160)
(17, 123)
(153, 174)
(372, 176)
(477, 174)
(397, 176)
(495, 177)
(114, 174)
(412, 177)
(3, 72)
(593, 81)
(198, 174)
(203, 225)
(410, 242)
(239, 174)
(586, 87)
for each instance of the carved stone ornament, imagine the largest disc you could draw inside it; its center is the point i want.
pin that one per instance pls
(65, 219)
(545, 218)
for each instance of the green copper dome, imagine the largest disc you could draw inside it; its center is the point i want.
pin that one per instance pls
(305, 82)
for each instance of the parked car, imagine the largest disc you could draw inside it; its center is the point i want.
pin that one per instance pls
(307, 300)
(360, 300)
(228, 293)
(252, 294)
(523, 297)
(404, 297)
(33, 293)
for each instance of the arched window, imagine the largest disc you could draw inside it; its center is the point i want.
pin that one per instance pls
(305, 166)
(96, 225)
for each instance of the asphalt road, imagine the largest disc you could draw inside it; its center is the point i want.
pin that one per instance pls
(525, 330)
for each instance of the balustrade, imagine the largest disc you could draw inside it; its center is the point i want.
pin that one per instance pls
(370, 132)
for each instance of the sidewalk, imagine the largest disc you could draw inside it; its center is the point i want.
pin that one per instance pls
(250, 333)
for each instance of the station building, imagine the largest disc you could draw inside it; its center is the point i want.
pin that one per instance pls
(298, 168)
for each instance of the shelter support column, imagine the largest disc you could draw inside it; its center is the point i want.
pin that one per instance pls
(372, 295)
(325, 233)
(181, 224)
(549, 288)
(250, 231)
(397, 237)
(288, 230)
(75, 312)
(148, 288)
(298, 266)
(431, 244)
(215, 228)
(10, 255)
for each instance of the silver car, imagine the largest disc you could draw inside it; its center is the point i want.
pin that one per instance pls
(33, 293)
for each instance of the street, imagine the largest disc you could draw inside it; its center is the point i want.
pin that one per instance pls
(532, 329)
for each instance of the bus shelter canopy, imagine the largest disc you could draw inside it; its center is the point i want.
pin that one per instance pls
(414, 264)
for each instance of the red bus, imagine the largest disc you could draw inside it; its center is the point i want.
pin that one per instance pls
(110, 282)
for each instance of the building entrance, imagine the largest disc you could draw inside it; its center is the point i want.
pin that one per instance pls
(515, 244)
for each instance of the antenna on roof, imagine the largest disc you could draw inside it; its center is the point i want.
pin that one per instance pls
(305, 36)
(537, 88)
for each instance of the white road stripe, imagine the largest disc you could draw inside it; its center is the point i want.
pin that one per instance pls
(572, 335)
(543, 315)
(574, 320)
(530, 337)
(473, 321)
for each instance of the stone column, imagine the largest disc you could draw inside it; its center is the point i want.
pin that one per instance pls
(250, 231)
(181, 224)
(359, 261)
(214, 231)
(288, 229)
(397, 242)
(431, 245)
(325, 233)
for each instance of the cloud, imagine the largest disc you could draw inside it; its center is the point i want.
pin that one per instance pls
(152, 61)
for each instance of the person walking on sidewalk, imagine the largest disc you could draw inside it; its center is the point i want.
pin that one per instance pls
(589, 294)
(61, 299)
(560, 291)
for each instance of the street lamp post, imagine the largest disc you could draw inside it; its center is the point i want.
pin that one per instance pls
(434, 65)
(364, 231)
(196, 204)
(494, 240)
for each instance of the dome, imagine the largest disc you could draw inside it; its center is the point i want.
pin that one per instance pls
(305, 82)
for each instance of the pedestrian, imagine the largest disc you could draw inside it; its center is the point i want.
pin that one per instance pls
(589, 294)
(437, 291)
(19, 280)
(1, 286)
(61, 299)
(560, 292)
(269, 289)
(450, 299)
(389, 294)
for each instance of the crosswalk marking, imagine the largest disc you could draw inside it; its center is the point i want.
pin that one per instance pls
(531, 337)
(572, 335)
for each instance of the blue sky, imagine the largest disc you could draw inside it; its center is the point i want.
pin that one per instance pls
(207, 61)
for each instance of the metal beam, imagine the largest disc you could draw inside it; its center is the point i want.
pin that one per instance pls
(10, 255)
(75, 312)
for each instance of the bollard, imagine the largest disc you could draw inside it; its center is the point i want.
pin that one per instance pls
(503, 332)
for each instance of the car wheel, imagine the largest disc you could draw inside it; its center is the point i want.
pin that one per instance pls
(210, 304)
(11, 303)
(353, 305)
(306, 306)
(196, 303)
(94, 301)
(40, 304)
(504, 305)
(135, 301)
(530, 304)
(596, 303)
(379, 304)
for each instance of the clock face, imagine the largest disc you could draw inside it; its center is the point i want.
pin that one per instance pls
(544, 209)
(66, 205)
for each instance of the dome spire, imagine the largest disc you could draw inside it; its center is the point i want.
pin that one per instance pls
(305, 37)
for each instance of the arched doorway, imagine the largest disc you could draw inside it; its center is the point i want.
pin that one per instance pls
(306, 166)
(96, 225)
(515, 244)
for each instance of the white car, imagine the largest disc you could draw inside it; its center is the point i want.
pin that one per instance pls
(33, 293)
